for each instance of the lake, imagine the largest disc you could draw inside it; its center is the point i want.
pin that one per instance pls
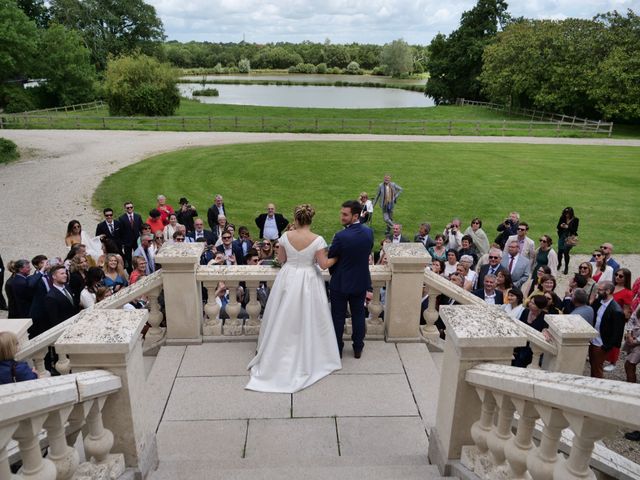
(312, 78)
(310, 96)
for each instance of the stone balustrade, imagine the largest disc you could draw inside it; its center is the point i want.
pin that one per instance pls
(591, 408)
(481, 396)
(61, 406)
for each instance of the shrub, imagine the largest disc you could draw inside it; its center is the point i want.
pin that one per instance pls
(141, 85)
(353, 68)
(334, 70)
(18, 99)
(218, 68)
(321, 68)
(303, 68)
(207, 92)
(8, 150)
(244, 66)
(379, 70)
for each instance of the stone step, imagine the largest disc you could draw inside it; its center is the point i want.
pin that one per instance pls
(339, 468)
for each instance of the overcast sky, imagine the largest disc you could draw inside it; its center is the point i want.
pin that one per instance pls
(346, 21)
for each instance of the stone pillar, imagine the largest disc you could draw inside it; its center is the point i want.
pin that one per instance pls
(110, 340)
(404, 292)
(182, 293)
(571, 334)
(474, 335)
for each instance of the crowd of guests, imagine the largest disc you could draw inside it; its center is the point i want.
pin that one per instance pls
(510, 271)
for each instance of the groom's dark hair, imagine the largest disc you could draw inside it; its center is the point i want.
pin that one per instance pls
(354, 206)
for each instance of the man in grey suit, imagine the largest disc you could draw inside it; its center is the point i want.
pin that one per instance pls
(388, 194)
(516, 264)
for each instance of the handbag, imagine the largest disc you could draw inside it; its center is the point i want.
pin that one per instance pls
(572, 240)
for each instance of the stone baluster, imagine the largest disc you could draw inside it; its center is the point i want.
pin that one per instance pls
(252, 326)
(481, 428)
(99, 440)
(518, 447)
(63, 366)
(430, 316)
(64, 457)
(536, 358)
(77, 420)
(6, 433)
(182, 292)
(501, 432)
(38, 362)
(542, 460)
(155, 335)
(587, 431)
(33, 465)
(212, 325)
(375, 324)
(474, 335)
(233, 324)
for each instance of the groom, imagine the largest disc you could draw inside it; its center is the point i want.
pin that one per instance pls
(350, 278)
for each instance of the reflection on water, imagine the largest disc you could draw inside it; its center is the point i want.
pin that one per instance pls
(311, 96)
(312, 78)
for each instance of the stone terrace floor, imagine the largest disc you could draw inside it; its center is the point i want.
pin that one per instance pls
(370, 418)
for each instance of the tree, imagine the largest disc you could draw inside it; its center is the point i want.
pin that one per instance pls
(36, 10)
(141, 85)
(353, 68)
(65, 63)
(397, 58)
(455, 61)
(111, 27)
(244, 65)
(18, 37)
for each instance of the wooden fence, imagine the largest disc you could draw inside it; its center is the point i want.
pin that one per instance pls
(79, 107)
(583, 124)
(307, 125)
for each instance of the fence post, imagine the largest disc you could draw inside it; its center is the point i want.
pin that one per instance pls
(598, 127)
(157, 123)
(610, 129)
(104, 123)
(449, 127)
(209, 122)
(183, 123)
(477, 128)
(50, 121)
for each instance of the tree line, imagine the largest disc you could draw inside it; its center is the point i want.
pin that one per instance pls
(574, 66)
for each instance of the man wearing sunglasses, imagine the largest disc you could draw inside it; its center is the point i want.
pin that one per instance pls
(492, 268)
(131, 226)
(526, 245)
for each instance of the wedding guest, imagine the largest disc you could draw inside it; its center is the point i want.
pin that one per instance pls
(367, 208)
(78, 276)
(165, 210)
(271, 224)
(503, 282)
(186, 215)
(451, 264)
(453, 235)
(535, 282)
(567, 233)
(170, 228)
(437, 267)
(438, 251)
(478, 236)
(115, 276)
(507, 228)
(12, 371)
(545, 255)
(607, 251)
(610, 326)
(489, 293)
(533, 316)
(513, 306)
(468, 248)
(623, 295)
(139, 269)
(155, 221)
(470, 275)
(632, 348)
(19, 294)
(601, 271)
(95, 276)
(148, 251)
(388, 194)
(423, 236)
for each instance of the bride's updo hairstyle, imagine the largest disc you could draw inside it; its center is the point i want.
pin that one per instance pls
(303, 214)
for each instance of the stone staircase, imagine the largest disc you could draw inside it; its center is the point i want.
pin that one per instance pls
(370, 420)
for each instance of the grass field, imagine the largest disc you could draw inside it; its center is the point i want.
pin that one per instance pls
(195, 116)
(440, 180)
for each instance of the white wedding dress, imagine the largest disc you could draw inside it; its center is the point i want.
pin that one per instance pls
(297, 343)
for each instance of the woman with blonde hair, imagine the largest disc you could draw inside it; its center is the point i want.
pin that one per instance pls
(115, 275)
(367, 208)
(10, 370)
(297, 343)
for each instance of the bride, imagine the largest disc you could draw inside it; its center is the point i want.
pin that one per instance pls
(297, 343)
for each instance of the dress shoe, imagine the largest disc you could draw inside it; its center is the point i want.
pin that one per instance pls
(357, 354)
(635, 436)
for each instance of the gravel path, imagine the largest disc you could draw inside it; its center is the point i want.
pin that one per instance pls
(60, 169)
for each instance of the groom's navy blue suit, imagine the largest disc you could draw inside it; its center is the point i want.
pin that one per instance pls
(350, 280)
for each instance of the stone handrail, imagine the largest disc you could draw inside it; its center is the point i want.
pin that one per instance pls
(36, 348)
(62, 406)
(590, 408)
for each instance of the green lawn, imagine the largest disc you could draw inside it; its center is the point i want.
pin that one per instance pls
(440, 180)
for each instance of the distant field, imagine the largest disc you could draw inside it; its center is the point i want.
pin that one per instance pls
(195, 116)
(440, 181)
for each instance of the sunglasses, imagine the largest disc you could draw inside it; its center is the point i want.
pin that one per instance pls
(108, 214)
(493, 257)
(129, 208)
(522, 229)
(475, 223)
(602, 247)
(597, 254)
(179, 239)
(619, 275)
(583, 268)
(542, 240)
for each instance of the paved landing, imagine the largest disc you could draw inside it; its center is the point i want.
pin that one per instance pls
(375, 411)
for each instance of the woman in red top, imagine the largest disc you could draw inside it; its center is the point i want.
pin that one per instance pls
(164, 209)
(139, 268)
(155, 221)
(623, 295)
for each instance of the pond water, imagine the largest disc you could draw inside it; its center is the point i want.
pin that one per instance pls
(311, 96)
(312, 78)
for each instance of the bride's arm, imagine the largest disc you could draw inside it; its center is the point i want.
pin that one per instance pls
(323, 261)
(282, 255)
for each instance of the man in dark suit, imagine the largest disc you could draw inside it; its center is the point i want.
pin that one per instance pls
(233, 253)
(396, 236)
(19, 291)
(609, 322)
(489, 293)
(59, 302)
(40, 284)
(200, 232)
(350, 277)
(493, 267)
(110, 228)
(218, 208)
(518, 266)
(130, 226)
(423, 236)
(271, 224)
(244, 241)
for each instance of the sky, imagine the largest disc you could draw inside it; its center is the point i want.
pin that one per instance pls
(346, 21)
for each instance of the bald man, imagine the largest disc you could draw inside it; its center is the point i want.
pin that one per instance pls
(271, 224)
